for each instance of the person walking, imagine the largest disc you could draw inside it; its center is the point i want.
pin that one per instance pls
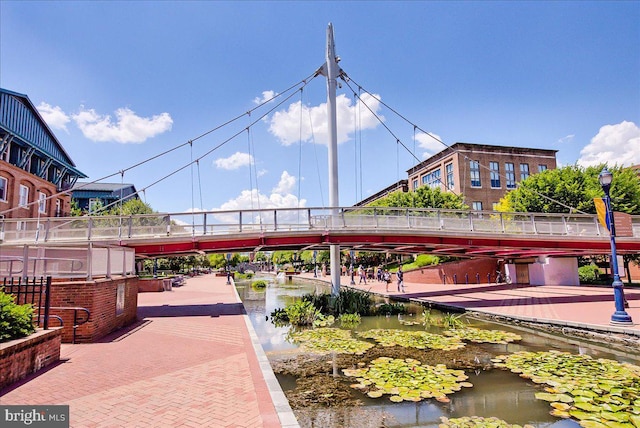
(387, 279)
(400, 277)
(363, 275)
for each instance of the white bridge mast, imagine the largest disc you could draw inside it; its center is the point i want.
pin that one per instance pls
(331, 70)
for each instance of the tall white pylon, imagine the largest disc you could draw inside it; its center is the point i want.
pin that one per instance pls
(331, 70)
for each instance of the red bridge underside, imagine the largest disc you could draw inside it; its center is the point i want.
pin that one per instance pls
(493, 246)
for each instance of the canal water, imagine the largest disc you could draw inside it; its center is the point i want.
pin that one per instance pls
(495, 393)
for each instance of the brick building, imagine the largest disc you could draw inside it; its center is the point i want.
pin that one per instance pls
(35, 170)
(482, 173)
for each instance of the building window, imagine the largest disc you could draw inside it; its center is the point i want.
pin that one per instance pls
(415, 184)
(3, 189)
(510, 175)
(432, 179)
(494, 167)
(477, 205)
(94, 205)
(474, 173)
(58, 208)
(449, 170)
(24, 196)
(524, 171)
(42, 203)
(494, 206)
(542, 168)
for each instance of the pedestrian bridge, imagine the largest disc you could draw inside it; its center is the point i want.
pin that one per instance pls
(399, 230)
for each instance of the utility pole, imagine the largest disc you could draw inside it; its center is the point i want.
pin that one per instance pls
(331, 70)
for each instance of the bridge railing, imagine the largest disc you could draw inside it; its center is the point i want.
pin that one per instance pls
(154, 226)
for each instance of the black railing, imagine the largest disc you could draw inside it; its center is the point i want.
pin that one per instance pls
(35, 292)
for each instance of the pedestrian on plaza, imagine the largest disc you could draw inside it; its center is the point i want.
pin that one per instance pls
(362, 274)
(400, 277)
(387, 279)
(379, 274)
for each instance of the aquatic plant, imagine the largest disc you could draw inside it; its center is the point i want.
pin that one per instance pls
(477, 422)
(279, 317)
(407, 380)
(453, 320)
(391, 309)
(301, 313)
(596, 392)
(478, 335)
(353, 302)
(321, 340)
(412, 339)
(349, 320)
(259, 284)
(324, 321)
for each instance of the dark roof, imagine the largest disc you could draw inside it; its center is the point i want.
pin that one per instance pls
(100, 187)
(45, 142)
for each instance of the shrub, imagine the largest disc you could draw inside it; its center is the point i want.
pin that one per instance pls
(426, 260)
(16, 321)
(588, 273)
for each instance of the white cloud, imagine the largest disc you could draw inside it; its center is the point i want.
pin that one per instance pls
(54, 116)
(568, 139)
(614, 144)
(266, 96)
(280, 197)
(129, 127)
(286, 184)
(235, 161)
(262, 172)
(429, 143)
(288, 125)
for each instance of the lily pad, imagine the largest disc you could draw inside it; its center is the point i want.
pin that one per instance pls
(478, 335)
(412, 339)
(324, 340)
(476, 422)
(408, 379)
(600, 391)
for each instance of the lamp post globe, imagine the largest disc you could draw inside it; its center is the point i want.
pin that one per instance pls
(620, 316)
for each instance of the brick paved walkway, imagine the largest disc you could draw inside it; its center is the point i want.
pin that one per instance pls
(582, 306)
(190, 362)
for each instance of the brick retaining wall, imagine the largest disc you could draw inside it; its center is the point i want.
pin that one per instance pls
(21, 357)
(445, 273)
(99, 297)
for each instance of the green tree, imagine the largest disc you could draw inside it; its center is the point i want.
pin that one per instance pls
(131, 207)
(422, 197)
(573, 187)
(560, 190)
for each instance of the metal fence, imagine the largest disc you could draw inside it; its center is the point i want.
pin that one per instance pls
(153, 226)
(35, 292)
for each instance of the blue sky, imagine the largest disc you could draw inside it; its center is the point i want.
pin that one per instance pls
(119, 82)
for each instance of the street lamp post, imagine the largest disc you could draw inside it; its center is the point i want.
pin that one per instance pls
(620, 316)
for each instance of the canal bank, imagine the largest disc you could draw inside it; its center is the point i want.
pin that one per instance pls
(585, 309)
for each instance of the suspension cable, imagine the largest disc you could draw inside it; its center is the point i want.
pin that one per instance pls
(215, 147)
(303, 82)
(347, 79)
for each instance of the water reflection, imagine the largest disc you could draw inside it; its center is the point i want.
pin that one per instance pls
(496, 393)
